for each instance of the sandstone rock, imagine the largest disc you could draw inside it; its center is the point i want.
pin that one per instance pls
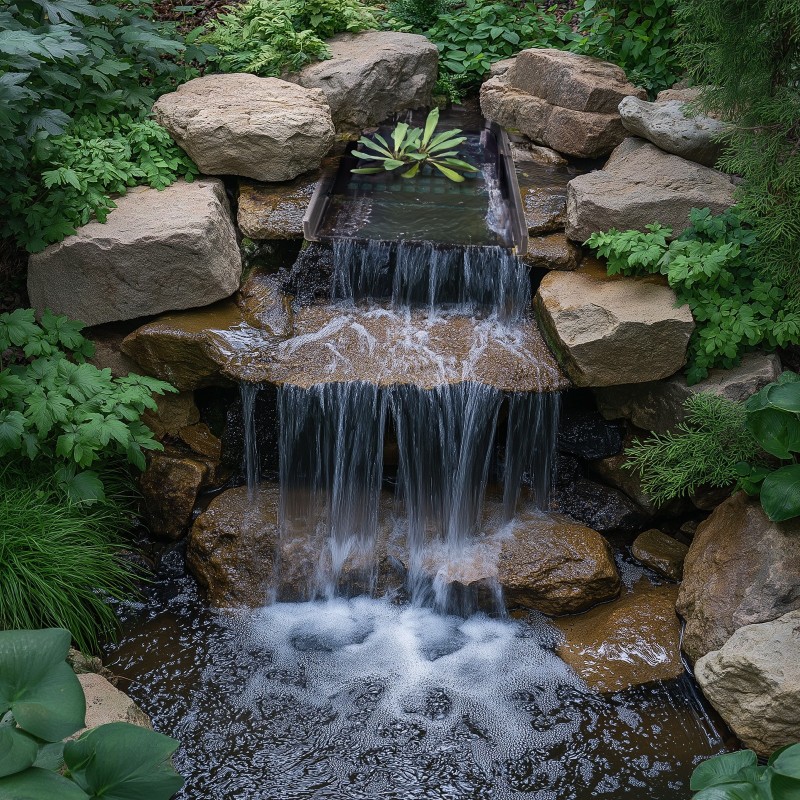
(174, 412)
(639, 185)
(105, 703)
(606, 331)
(202, 441)
(169, 489)
(583, 134)
(753, 680)
(658, 406)
(741, 569)
(372, 76)
(667, 126)
(107, 341)
(685, 95)
(569, 80)
(543, 188)
(157, 251)
(240, 124)
(600, 507)
(661, 553)
(629, 641)
(231, 549)
(523, 150)
(275, 211)
(553, 565)
(552, 252)
(263, 304)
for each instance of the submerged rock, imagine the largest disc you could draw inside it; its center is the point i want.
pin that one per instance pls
(373, 75)
(633, 640)
(611, 330)
(239, 124)
(741, 569)
(661, 553)
(642, 184)
(157, 251)
(753, 680)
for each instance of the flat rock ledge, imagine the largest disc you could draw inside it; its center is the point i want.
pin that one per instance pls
(611, 330)
(641, 184)
(562, 100)
(373, 75)
(239, 124)
(753, 680)
(158, 251)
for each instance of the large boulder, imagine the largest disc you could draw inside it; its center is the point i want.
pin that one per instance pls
(642, 184)
(658, 406)
(239, 124)
(753, 680)
(562, 100)
(741, 569)
(611, 330)
(629, 641)
(373, 75)
(157, 251)
(667, 125)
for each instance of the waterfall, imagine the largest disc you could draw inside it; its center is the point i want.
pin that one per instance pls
(249, 393)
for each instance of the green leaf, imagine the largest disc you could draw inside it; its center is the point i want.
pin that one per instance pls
(12, 426)
(785, 397)
(119, 761)
(730, 791)
(778, 432)
(430, 126)
(18, 751)
(786, 761)
(40, 784)
(449, 173)
(38, 686)
(721, 769)
(780, 494)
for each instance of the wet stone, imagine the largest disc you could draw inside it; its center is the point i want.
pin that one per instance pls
(590, 436)
(661, 553)
(554, 251)
(275, 210)
(600, 507)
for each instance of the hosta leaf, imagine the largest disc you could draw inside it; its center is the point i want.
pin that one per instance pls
(787, 760)
(785, 397)
(721, 769)
(778, 432)
(38, 784)
(18, 751)
(780, 493)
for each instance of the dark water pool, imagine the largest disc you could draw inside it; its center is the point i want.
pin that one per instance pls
(363, 698)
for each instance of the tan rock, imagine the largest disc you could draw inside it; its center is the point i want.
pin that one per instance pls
(639, 185)
(569, 80)
(174, 412)
(544, 197)
(753, 681)
(606, 331)
(523, 150)
(263, 304)
(741, 569)
(661, 553)
(239, 124)
(169, 489)
(685, 95)
(200, 439)
(107, 341)
(552, 252)
(627, 642)
(275, 211)
(157, 251)
(105, 703)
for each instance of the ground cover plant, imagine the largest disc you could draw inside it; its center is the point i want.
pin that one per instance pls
(712, 269)
(42, 703)
(77, 80)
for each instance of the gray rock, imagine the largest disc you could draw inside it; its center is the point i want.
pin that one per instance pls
(658, 406)
(606, 331)
(669, 127)
(157, 251)
(642, 184)
(741, 569)
(373, 75)
(240, 124)
(753, 680)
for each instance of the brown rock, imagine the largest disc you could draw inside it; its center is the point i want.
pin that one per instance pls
(169, 488)
(661, 553)
(569, 80)
(174, 412)
(105, 704)
(627, 642)
(556, 566)
(611, 330)
(741, 569)
(263, 304)
(524, 151)
(107, 341)
(276, 210)
(552, 252)
(200, 439)
(231, 548)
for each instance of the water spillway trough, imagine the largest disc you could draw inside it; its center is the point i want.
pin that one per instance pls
(414, 418)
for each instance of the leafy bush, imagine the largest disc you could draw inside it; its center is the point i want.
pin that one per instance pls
(748, 55)
(270, 37)
(59, 559)
(117, 761)
(419, 15)
(77, 80)
(722, 443)
(710, 268)
(739, 776)
(704, 450)
(65, 412)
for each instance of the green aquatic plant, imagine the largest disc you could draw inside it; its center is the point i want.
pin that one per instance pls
(412, 148)
(42, 703)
